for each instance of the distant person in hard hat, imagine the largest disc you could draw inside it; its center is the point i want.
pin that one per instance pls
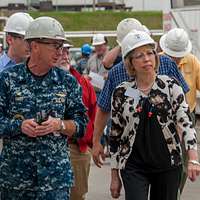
(177, 45)
(144, 142)
(64, 59)
(18, 50)
(113, 56)
(116, 76)
(40, 107)
(80, 148)
(94, 64)
(86, 51)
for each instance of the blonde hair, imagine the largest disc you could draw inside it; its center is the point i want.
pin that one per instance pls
(128, 62)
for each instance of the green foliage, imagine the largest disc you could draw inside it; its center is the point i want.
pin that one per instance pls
(100, 20)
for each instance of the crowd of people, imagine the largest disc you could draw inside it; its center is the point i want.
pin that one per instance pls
(53, 119)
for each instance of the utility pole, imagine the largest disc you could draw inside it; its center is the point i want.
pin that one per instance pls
(28, 4)
(93, 5)
(84, 5)
(143, 5)
(56, 5)
(113, 5)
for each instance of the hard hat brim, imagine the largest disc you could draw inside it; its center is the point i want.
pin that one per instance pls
(140, 44)
(66, 45)
(176, 54)
(46, 37)
(98, 43)
(17, 32)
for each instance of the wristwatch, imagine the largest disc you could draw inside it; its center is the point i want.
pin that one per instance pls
(62, 126)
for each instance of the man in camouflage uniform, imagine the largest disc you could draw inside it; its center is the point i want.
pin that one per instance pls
(40, 106)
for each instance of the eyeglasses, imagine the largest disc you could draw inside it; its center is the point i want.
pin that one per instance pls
(141, 56)
(55, 46)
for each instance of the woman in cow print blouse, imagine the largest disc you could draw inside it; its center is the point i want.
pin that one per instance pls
(149, 122)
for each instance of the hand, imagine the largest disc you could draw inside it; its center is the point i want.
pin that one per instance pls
(193, 171)
(87, 77)
(28, 127)
(115, 187)
(98, 154)
(105, 76)
(49, 126)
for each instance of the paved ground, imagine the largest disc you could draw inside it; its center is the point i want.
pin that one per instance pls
(100, 179)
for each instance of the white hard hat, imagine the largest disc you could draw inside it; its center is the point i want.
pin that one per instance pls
(67, 45)
(127, 25)
(176, 43)
(98, 39)
(135, 39)
(146, 29)
(45, 27)
(18, 23)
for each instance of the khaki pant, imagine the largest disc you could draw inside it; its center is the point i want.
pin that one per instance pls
(81, 167)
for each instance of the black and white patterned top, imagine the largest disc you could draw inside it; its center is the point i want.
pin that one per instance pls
(167, 97)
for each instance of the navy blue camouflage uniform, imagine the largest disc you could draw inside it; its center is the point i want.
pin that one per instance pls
(37, 168)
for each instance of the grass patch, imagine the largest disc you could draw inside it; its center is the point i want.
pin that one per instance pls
(100, 20)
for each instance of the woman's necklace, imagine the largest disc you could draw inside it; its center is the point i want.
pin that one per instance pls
(145, 89)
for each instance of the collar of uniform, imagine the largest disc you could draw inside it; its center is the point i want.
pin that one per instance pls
(51, 77)
(23, 74)
(54, 75)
